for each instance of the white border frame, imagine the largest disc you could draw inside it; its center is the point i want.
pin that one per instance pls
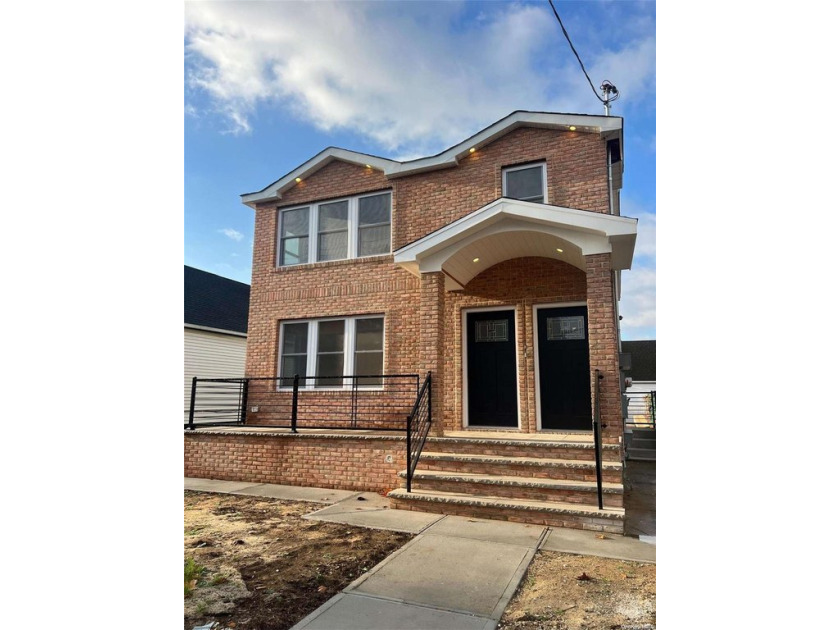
(522, 167)
(349, 350)
(465, 394)
(535, 327)
(352, 229)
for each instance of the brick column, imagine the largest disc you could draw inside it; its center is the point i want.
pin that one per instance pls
(603, 343)
(431, 342)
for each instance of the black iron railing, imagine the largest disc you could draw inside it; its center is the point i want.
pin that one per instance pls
(417, 428)
(347, 402)
(640, 410)
(217, 401)
(596, 434)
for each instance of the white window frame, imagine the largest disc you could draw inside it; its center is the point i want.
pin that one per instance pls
(522, 167)
(352, 228)
(312, 351)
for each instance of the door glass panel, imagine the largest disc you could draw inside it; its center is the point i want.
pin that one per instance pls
(491, 330)
(564, 328)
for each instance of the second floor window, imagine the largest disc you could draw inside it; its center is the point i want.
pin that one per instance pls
(526, 183)
(346, 228)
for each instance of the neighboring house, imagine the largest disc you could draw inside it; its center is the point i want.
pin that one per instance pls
(215, 327)
(494, 267)
(642, 364)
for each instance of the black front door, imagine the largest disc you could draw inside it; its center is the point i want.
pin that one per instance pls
(491, 369)
(563, 340)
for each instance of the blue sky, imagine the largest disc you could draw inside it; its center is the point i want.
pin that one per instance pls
(267, 85)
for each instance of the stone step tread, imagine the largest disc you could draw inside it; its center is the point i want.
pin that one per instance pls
(503, 480)
(575, 443)
(524, 461)
(555, 507)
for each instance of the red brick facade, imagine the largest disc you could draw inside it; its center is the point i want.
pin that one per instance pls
(423, 321)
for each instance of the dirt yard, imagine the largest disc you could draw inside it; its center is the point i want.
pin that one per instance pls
(568, 592)
(252, 563)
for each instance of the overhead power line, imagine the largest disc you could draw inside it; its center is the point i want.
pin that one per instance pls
(606, 87)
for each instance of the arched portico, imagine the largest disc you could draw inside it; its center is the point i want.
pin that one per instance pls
(535, 314)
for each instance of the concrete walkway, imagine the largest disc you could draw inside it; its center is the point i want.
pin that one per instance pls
(457, 572)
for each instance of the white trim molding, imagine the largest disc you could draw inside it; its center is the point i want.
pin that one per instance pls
(464, 375)
(508, 228)
(607, 127)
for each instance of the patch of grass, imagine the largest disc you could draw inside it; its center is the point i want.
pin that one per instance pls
(192, 573)
(218, 579)
(201, 607)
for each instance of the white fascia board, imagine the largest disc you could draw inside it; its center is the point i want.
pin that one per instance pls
(606, 126)
(580, 220)
(222, 331)
(275, 190)
(588, 243)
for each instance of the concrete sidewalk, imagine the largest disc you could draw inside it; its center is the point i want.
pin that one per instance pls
(457, 572)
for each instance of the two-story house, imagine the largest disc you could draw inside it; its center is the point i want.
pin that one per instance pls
(494, 267)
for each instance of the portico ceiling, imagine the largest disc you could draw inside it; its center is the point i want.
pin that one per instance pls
(507, 229)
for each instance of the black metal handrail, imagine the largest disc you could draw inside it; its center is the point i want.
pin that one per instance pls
(343, 402)
(417, 428)
(596, 434)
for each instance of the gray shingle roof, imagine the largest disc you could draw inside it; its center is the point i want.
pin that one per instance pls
(642, 359)
(214, 301)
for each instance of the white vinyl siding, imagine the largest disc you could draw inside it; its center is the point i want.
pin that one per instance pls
(211, 355)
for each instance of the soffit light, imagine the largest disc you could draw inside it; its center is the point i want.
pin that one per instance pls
(559, 251)
(368, 166)
(475, 259)
(572, 128)
(472, 150)
(298, 180)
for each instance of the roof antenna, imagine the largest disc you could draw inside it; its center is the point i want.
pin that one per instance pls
(608, 89)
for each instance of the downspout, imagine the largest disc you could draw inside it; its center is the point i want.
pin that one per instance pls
(610, 178)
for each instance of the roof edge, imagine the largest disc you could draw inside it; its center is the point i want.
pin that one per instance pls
(606, 126)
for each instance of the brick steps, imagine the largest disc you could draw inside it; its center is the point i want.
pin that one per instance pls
(516, 487)
(543, 468)
(543, 481)
(581, 448)
(550, 513)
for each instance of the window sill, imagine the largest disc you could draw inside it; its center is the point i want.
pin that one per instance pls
(335, 263)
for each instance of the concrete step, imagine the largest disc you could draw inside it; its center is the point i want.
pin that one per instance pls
(531, 488)
(641, 454)
(545, 468)
(554, 514)
(643, 443)
(577, 447)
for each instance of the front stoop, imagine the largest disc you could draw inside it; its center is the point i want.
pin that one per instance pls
(528, 481)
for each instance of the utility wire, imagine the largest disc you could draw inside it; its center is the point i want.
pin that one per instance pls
(574, 51)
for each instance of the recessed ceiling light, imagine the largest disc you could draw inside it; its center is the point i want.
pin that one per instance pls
(572, 128)
(297, 179)
(559, 251)
(472, 150)
(475, 259)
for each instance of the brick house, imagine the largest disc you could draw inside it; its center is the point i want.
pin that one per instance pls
(494, 267)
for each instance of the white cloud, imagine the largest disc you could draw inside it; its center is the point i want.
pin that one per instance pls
(232, 234)
(638, 302)
(638, 285)
(399, 73)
